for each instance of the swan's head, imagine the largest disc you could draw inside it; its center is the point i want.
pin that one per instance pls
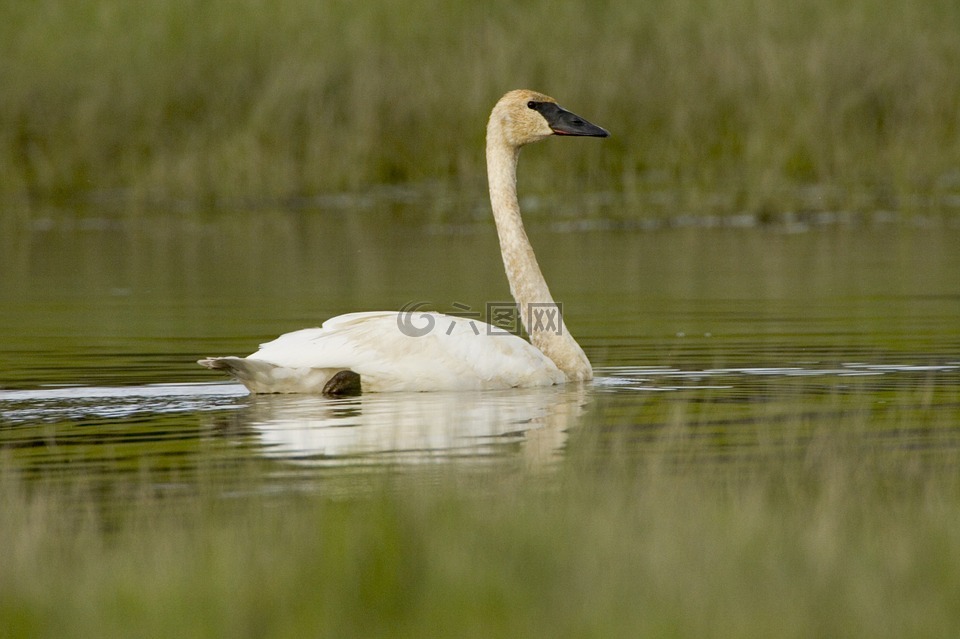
(523, 116)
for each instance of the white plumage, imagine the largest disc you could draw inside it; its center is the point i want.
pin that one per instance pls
(457, 353)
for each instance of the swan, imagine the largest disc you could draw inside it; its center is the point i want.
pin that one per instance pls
(385, 351)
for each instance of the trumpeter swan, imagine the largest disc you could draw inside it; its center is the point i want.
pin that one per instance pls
(375, 351)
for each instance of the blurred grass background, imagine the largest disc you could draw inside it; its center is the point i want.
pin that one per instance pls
(715, 106)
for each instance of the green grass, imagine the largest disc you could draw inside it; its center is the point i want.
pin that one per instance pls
(714, 106)
(819, 535)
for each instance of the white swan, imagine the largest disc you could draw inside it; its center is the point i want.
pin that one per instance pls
(378, 351)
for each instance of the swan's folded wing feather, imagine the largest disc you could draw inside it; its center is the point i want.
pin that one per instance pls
(456, 353)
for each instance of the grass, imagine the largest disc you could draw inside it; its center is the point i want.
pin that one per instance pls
(714, 106)
(821, 534)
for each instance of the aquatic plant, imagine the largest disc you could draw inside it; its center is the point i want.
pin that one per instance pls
(714, 106)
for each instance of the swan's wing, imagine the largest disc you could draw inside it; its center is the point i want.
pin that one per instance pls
(333, 325)
(390, 352)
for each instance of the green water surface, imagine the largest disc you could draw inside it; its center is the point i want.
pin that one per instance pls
(851, 325)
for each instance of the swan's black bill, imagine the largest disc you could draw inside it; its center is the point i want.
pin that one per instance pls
(565, 123)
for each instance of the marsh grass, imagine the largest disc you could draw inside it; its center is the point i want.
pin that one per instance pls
(714, 106)
(638, 532)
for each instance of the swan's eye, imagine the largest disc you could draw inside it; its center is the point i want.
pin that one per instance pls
(531, 104)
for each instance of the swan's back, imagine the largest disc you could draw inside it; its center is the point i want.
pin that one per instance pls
(457, 353)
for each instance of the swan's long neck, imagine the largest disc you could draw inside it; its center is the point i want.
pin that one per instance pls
(541, 316)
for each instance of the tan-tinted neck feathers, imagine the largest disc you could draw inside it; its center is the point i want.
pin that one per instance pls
(512, 124)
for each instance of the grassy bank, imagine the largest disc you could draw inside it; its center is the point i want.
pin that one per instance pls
(719, 106)
(835, 544)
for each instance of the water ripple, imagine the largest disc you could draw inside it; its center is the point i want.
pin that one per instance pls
(75, 403)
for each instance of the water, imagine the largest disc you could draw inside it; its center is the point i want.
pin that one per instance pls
(746, 338)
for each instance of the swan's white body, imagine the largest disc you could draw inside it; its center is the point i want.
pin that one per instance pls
(457, 353)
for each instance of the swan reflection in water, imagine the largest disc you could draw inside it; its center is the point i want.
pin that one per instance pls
(530, 424)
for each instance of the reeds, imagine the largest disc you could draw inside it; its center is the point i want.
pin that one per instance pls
(816, 529)
(722, 106)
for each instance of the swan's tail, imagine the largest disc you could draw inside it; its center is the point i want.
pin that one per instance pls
(233, 365)
(263, 377)
(250, 372)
